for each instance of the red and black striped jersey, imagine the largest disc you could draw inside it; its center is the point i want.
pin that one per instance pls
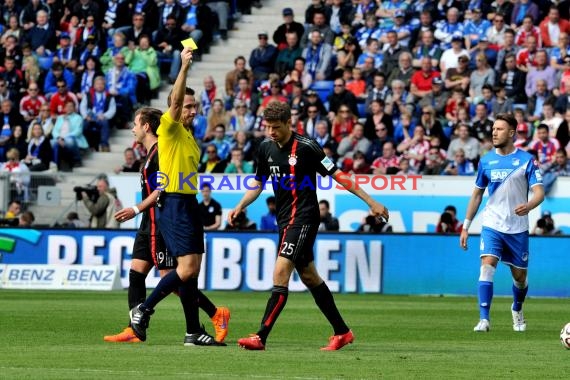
(148, 178)
(292, 171)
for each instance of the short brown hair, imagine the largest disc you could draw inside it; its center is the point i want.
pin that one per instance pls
(277, 111)
(509, 119)
(151, 116)
(187, 91)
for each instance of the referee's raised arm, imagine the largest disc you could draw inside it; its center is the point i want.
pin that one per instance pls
(176, 99)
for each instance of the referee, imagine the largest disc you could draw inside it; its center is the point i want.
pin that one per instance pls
(149, 247)
(179, 222)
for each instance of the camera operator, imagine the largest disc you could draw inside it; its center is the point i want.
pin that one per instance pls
(373, 224)
(103, 209)
(545, 226)
(328, 222)
(242, 223)
(448, 223)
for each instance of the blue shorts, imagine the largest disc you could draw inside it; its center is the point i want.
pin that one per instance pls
(181, 224)
(511, 249)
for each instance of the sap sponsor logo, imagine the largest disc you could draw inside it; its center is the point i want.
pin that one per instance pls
(538, 175)
(499, 175)
(494, 162)
(90, 275)
(30, 275)
(516, 162)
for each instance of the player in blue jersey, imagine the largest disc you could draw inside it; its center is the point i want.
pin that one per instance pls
(508, 173)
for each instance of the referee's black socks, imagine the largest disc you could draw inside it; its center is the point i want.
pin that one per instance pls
(137, 288)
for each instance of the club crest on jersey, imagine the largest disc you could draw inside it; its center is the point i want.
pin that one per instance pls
(516, 162)
(292, 160)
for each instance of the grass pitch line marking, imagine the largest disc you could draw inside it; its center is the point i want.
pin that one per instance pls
(110, 371)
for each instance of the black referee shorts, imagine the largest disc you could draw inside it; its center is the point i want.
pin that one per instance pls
(296, 243)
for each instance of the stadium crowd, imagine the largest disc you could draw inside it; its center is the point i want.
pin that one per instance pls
(426, 77)
(71, 70)
(384, 87)
(400, 86)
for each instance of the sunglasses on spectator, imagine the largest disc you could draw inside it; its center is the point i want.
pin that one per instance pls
(426, 113)
(338, 85)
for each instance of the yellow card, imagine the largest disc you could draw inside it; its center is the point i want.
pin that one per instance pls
(189, 43)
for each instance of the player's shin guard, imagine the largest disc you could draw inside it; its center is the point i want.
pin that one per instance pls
(519, 293)
(188, 292)
(137, 288)
(325, 301)
(275, 304)
(486, 290)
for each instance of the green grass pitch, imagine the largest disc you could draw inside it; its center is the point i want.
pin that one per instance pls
(58, 335)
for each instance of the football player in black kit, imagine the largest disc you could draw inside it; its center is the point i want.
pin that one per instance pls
(149, 247)
(293, 162)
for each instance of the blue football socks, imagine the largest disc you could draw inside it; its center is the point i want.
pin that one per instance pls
(518, 297)
(485, 298)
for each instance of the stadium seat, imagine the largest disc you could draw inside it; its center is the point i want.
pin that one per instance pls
(323, 88)
(361, 109)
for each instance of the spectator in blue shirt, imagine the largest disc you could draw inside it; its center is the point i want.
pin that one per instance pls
(269, 220)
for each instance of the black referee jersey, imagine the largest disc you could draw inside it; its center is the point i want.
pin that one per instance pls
(292, 170)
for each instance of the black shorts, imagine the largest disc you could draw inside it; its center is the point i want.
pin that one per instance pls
(181, 224)
(151, 248)
(296, 243)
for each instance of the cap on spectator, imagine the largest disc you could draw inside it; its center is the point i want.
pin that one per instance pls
(456, 37)
(522, 127)
(64, 35)
(436, 80)
(311, 93)
(546, 214)
(476, 10)
(463, 58)
(287, 12)
(399, 13)
(262, 33)
(90, 39)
